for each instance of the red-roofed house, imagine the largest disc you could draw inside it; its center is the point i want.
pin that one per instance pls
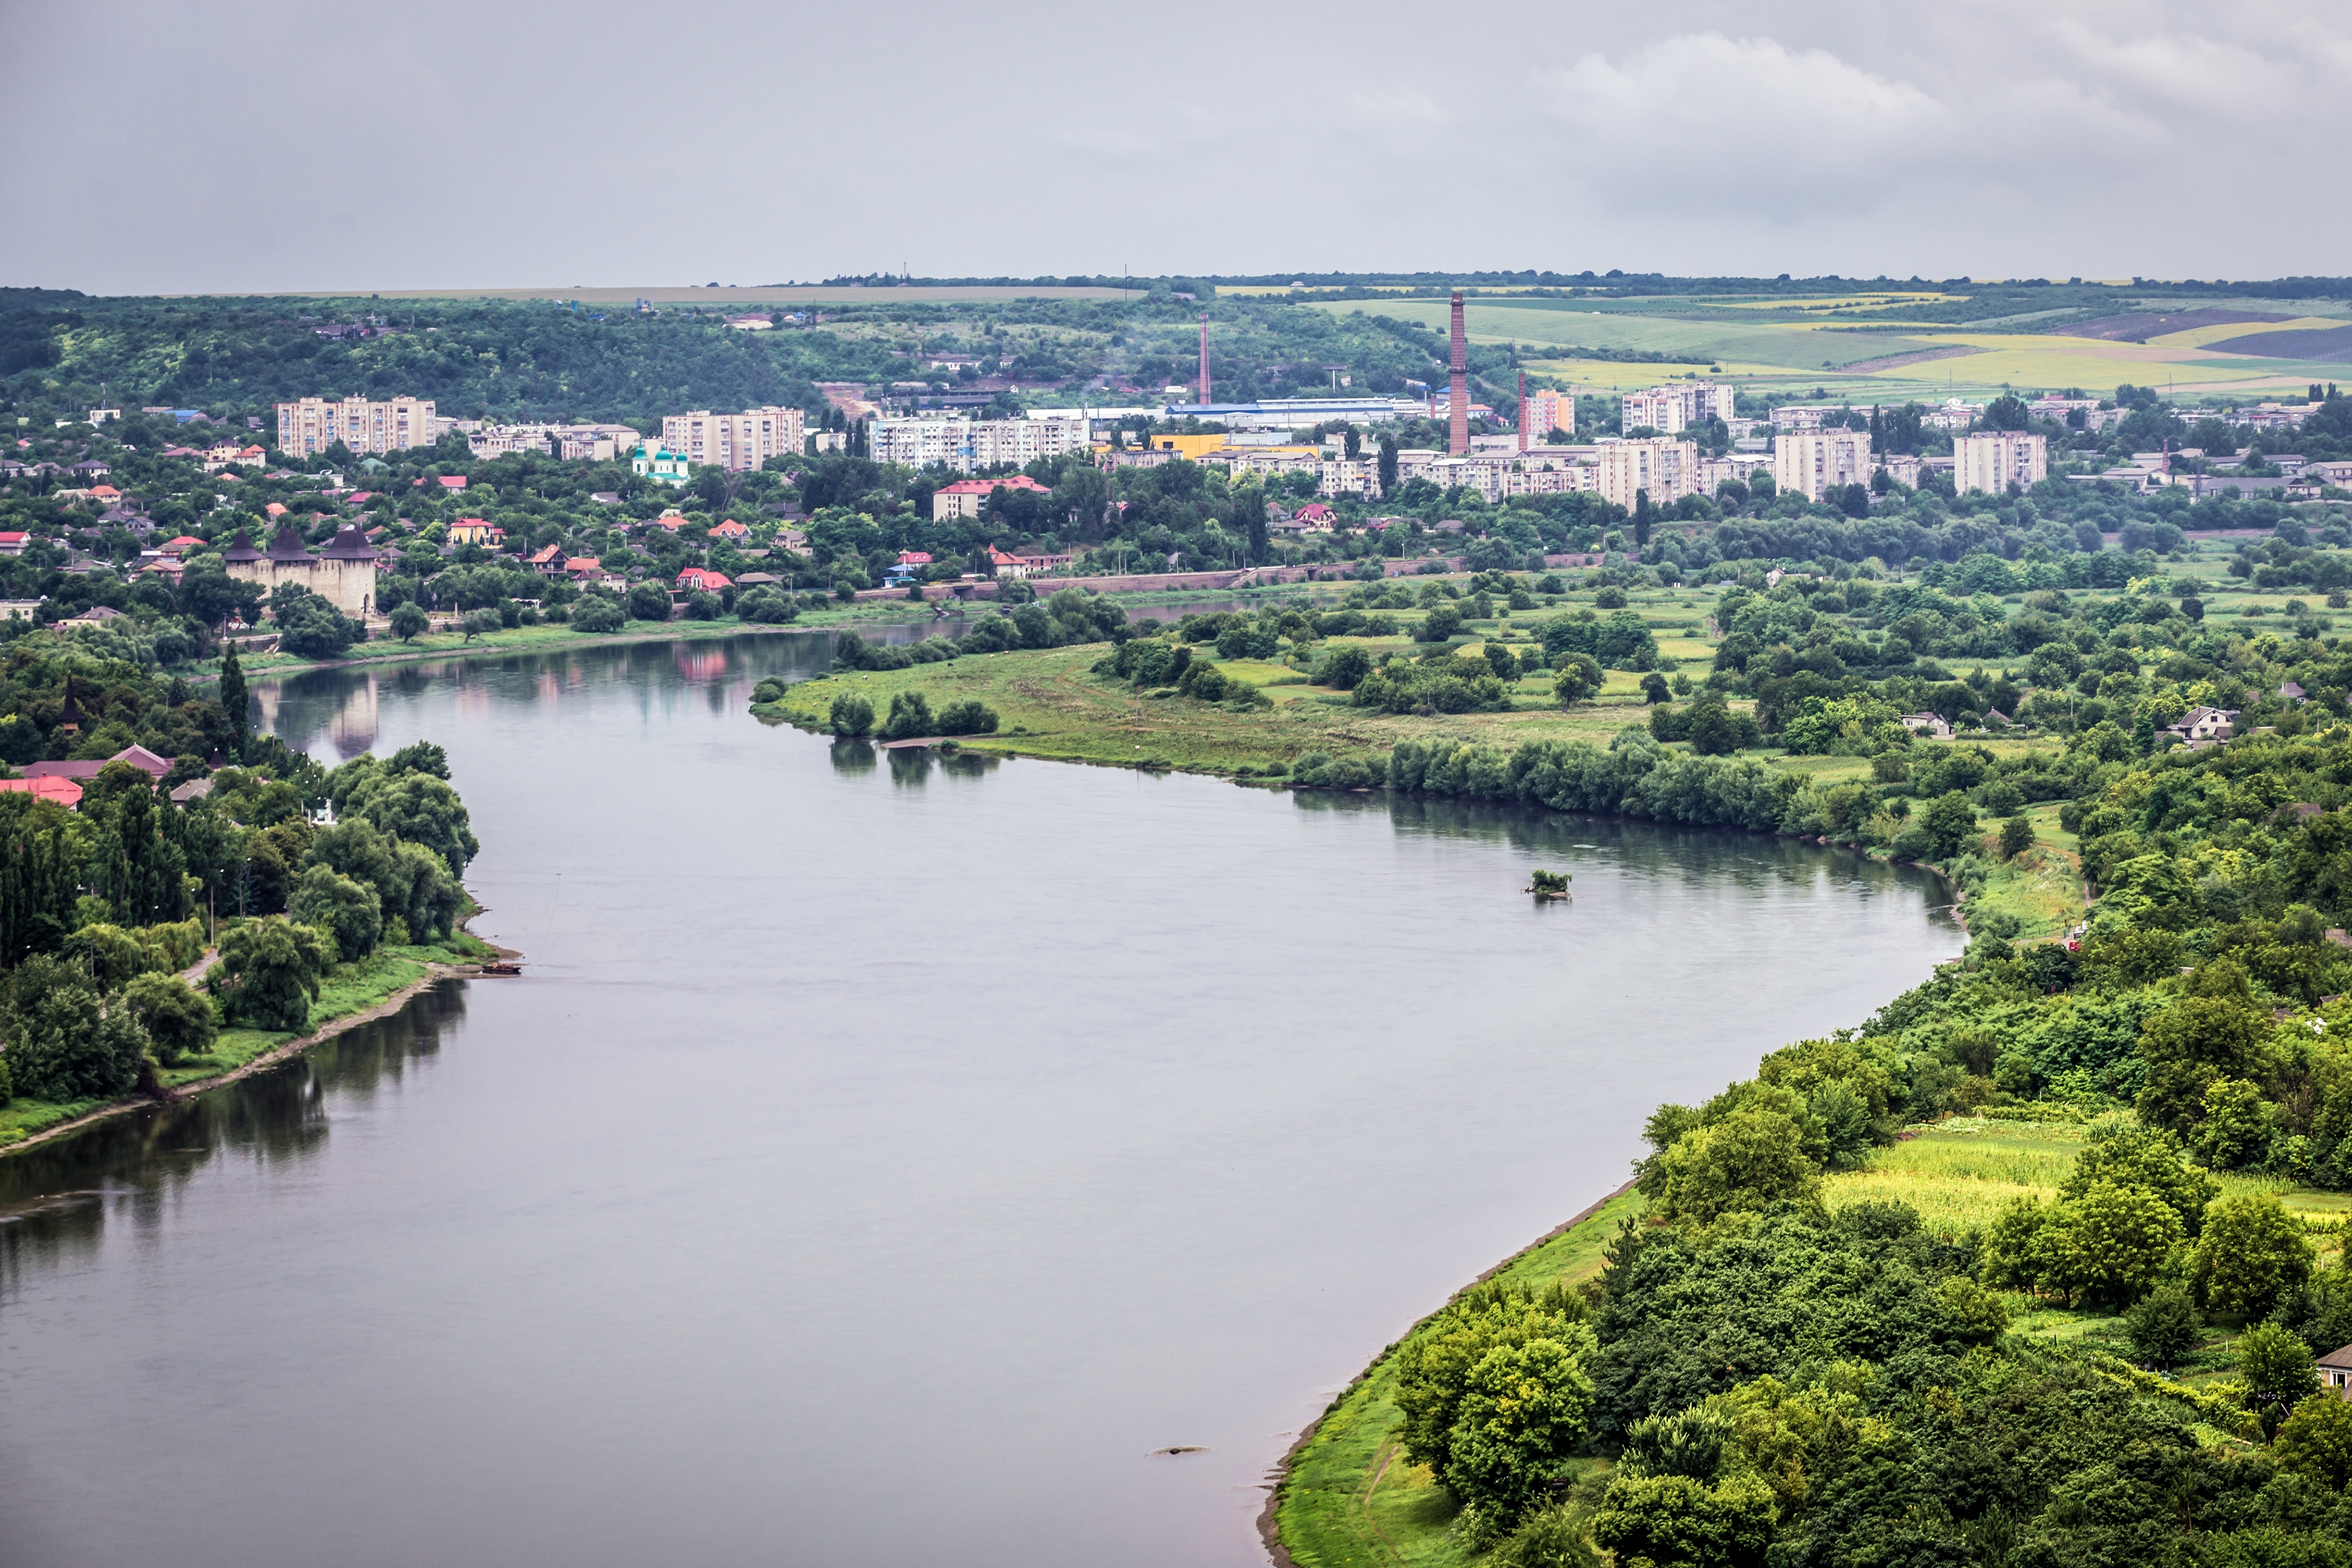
(697, 578)
(549, 562)
(476, 530)
(139, 757)
(181, 545)
(105, 494)
(451, 482)
(65, 791)
(966, 497)
(275, 510)
(13, 542)
(730, 529)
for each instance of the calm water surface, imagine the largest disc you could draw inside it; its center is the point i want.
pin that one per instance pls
(883, 1157)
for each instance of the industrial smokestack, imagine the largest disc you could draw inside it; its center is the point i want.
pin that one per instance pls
(1523, 411)
(1457, 434)
(1205, 356)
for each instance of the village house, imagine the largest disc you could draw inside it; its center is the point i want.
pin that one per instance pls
(549, 562)
(476, 530)
(2202, 727)
(698, 579)
(1931, 725)
(966, 497)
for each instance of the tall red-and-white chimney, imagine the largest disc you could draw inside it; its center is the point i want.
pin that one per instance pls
(1457, 434)
(1204, 357)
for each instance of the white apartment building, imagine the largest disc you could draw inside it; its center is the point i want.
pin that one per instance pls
(1496, 476)
(596, 443)
(1676, 407)
(1996, 459)
(1812, 462)
(1952, 415)
(1800, 416)
(734, 441)
(1713, 472)
(1902, 468)
(308, 426)
(1665, 467)
(1358, 477)
(965, 444)
(1549, 411)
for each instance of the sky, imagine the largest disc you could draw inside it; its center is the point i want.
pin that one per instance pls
(266, 145)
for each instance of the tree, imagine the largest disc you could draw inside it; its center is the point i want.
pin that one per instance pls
(1523, 1410)
(910, 716)
(2016, 837)
(234, 702)
(178, 1020)
(2235, 1129)
(1344, 668)
(409, 622)
(2250, 1255)
(336, 904)
(852, 715)
(1675, 1521)
(2315, 1440)
(968, 717)
(2163, 1325)
(1713, 732)
(1751, 1159)
(2007, 412)
(1654, 689)
(648, 601)
(309, 625)
(1438, 1387)
(478, 623)
(1388, 471)
(1578, 677)
(65, 1043)
(269, 971)
(598, 615)
(1950, 822)
(1642, 517)
(2109, 1244)
(2275, 1367)
(1554, 1537)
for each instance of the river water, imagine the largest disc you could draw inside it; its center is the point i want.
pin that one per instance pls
(883, 1156)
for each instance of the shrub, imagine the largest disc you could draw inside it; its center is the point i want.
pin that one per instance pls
(269, 972)
(2251, 1254)
(336, 904)
(851, 715)
(648, 601)
(597, 615)
(968, 717)
(910, 716)
(766, 607)
(178, 1020)
(64, 1042)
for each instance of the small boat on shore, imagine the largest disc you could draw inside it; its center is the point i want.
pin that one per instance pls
(500, 967)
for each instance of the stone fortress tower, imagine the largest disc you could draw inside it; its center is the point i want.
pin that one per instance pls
(343, 573)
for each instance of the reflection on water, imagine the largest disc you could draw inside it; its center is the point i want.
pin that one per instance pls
(57, 1200)
(1182, 1100)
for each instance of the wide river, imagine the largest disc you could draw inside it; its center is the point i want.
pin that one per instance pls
(883, 1157)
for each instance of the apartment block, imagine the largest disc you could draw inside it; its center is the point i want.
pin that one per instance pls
(734, 441)
(596, 443)
(1676, 407)
(965, 444)
(1665, 467)
(1549, 411)
(308, 426)
(1996, 459)
(1812, 462)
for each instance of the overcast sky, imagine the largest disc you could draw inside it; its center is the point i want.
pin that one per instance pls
(270, 145)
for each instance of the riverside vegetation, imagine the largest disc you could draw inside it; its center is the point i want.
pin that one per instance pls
(332, 888)
(2073, 1316)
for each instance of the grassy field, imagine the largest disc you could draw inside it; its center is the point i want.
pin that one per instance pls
(1350, 1497)
(350, 988)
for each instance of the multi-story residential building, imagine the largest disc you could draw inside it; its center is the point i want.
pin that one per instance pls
(1665, 467)
(1349, 476)
(1798, 417)
(1676, 407)
(965, 444)
(1549, 411)
(1952, 415)
(1714, 473)
(1997, 460)
(2058, 408)
(1812, 462)
(308, 426)
(1902, 467)
(734, 441)
(596, 443)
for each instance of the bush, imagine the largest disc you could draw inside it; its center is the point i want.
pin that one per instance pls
(64, 1042)
(178, 1020)
(769, 691)
(336, 904)
(1344, 668)
(910, 717)
(269, 972)
(968, 717)
(851, 715)
(766, 607)
(2163, 1326)
(648, 601)
(597, 615)
(2249, 1255)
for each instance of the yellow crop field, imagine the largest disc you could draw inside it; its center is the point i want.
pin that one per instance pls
(2198, 337)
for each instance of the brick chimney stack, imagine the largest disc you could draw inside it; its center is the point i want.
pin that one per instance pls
(1457, 434)
(1205, 356)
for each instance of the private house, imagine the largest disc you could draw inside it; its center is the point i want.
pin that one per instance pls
(1928, 724)
(698, 579)
(732, 529)
(2335, 1367)
(2292, 692)
(549, 562)
(451, 482)
(96, 615)
(181, 545)
(139, 757)
(476, 530)
(910, 567)
(63, 791)
(966, 497)
(2203, 727)
(12, 542)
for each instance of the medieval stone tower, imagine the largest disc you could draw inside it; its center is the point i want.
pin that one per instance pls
(343, 573)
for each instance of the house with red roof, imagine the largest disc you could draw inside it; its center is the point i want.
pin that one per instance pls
(700, 579)
(476, 530)
(451, 482)
(548, 562)
(106, 495)
(12, 542)
(181, 545)
(966, 497)
(65, 791)
(732, 530)
(139, 757)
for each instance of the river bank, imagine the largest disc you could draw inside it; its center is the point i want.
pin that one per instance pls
(377, 985)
